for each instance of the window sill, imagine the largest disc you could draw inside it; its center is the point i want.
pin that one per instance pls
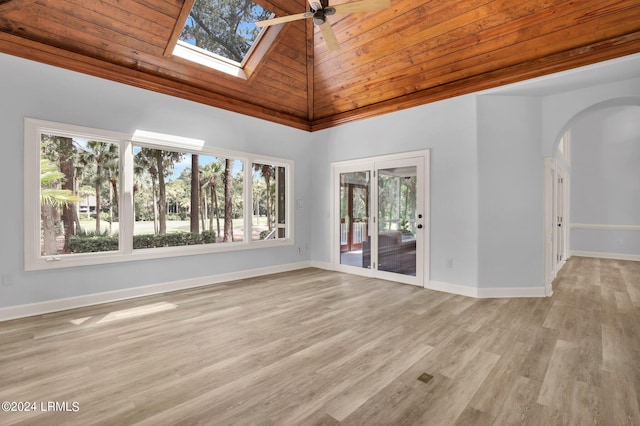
(89, 259)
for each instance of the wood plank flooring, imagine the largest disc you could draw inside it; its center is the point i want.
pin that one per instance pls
(313, 347)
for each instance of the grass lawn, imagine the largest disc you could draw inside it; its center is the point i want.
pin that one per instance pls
(146, 227)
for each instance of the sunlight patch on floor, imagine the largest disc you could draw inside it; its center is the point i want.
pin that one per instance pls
(138, 311)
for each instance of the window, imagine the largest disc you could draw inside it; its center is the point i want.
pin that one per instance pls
(79, 182)
(221, 34)
(169, 211)
(269, 202)
(93, 196)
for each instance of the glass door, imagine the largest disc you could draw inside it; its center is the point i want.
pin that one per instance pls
(397, 220)
(355, 204)
(382, 221)
(400, 220)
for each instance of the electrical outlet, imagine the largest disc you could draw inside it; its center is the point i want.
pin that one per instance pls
(450, 263)
(299, 250)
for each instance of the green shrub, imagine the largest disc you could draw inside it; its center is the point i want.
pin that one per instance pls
(92, 244)
(95, 243)
(144, 241)
(208, 237)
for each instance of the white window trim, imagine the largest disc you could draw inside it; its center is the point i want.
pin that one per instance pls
(217, 62)
(209, 60)
(34, 261)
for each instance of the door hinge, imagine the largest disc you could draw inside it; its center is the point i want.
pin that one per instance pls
(374, 265)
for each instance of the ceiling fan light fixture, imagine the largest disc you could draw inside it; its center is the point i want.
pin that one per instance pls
(319, 17)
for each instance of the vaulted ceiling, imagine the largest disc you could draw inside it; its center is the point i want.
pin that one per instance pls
(415, 52)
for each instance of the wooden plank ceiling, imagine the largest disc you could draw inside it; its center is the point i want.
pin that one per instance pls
(415, 52)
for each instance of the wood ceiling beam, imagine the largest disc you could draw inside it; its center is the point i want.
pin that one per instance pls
(177, 29)
(310, 69)
(266, 44)
(8, 5)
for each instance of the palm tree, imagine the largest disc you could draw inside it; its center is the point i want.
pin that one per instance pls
(102, 155)
(51, 198)
(165, 161)
(144, 163)
(66, 152)
(162, 195)
(195, 194)
(159, 164)
(267, 171)
(228, 201)
(210, 176)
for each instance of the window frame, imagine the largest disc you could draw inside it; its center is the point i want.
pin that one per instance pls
(217, 62)
(125, 253)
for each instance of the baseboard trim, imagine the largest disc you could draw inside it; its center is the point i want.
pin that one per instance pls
(559, 267)
(327, 266)
(511, 292)
(614, 256)
(487, 293)
(40, 308)
(461, 290)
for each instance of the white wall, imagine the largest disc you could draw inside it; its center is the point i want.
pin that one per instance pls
(559, 111)
(605, 181)
(510, 177)
(30, 89)
(486, 175)
(448, 129)
(564, 111)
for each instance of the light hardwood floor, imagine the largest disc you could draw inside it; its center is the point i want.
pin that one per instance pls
(316, 347)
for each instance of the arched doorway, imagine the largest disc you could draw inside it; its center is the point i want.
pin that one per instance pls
(598, 180)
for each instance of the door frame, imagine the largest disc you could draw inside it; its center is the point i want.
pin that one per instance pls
(556, 178)
(423, 263)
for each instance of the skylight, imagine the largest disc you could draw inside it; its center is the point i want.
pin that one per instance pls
(223, 28)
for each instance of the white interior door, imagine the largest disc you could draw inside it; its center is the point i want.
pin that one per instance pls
(382, 218)
(556, 215)
(560, 219)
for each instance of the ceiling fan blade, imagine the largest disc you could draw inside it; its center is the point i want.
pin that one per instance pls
(361, 6)
(329, 36)
(283, 19)
(315, 4)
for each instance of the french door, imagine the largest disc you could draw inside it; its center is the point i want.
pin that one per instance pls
(381, 217)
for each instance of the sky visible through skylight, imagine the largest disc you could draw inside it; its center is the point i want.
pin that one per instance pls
(224, 27)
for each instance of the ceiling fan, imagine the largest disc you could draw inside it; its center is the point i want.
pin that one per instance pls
(319, 12)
